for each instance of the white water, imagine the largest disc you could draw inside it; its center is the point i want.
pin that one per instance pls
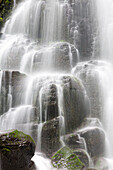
(32, 39)
(105, 20)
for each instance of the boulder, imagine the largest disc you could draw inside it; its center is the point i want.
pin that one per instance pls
(64, 158)
(16, 150)
(74, 141)
(83, 156)
(50, 137)
(76, 106)
(62, 96)
(89, 73)
(95, 140)
(58, 57)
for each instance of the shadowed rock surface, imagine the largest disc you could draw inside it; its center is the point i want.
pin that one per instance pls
(16, 150)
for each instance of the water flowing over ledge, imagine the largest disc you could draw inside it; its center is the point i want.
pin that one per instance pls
(56, 77)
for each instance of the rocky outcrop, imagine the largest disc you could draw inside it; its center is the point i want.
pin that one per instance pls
(89, 73)
(65, 158)
(74, 103)
(83, 156)
(82, 24)
(16, 150)
(50, 138)
(59, 57)
(12, 89)
(74, 141)
(95, 140)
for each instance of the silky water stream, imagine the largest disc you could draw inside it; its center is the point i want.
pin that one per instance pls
(56, 64)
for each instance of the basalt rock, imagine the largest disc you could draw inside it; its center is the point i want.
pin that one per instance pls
(59, 57)
(74, 103)
(50, 139)
(12, 89)
(95, 140)
(83, 156)
(65, 158)
(89, 74)
(74, 141)
(16, 150)
(82, 25)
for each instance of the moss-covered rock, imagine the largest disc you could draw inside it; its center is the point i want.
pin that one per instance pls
(16, 150)
(5, 10)
(65, 158)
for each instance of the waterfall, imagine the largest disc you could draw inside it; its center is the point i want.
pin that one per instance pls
(56, 76)
(105, 22)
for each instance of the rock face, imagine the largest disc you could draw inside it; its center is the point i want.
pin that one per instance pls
(95, 141)
(74, 103)
(65, 158)
(58, 57)
(83, 156)
(82, 25)
(16, 150)
(12, 89)
(74, 141)
(50, 137)
(88, 72)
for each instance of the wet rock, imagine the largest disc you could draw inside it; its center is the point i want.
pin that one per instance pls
(102, 163)
(50, 138)
(88, 72)
(91, 122)
(77, 144)
(16, 150)
(83, 156)
(59, 57)
(82, 25)
(64, 158)
(12, 89)
(95, 140)
(74, 141)
(61, 96)
(50, 103)
(75, 102)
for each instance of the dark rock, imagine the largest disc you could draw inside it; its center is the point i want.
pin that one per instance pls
(12, 85)
(95, 140)
(64, 158)
(89, 74)
(83, 156)
(74, 141)
(74, 103)
(16, 150)
(1, 34)
(50, 139)
(82, 26)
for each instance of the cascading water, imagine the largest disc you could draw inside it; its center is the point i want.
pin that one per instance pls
(46, 79)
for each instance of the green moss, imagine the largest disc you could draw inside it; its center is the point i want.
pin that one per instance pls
(1, 19)
(7, 1)
(19, 135)
(6, 149)
(65, 158)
